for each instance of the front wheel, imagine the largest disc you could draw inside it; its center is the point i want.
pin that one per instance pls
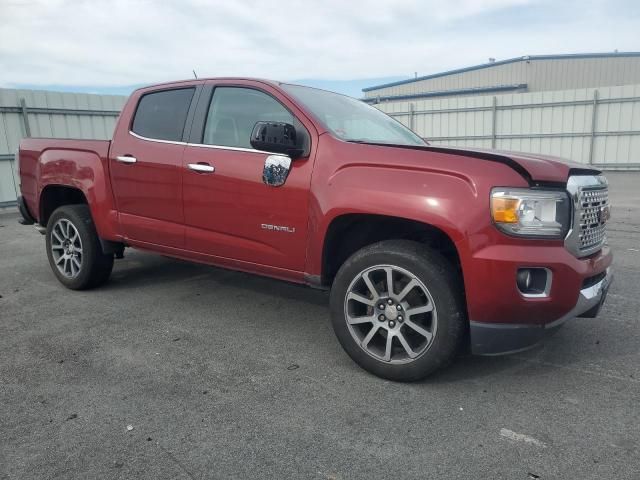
(397, 310)
(74, 250)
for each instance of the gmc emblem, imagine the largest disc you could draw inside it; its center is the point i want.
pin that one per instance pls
(604, 214)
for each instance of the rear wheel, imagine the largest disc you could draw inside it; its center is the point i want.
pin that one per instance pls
(397, 310)
(74, 250)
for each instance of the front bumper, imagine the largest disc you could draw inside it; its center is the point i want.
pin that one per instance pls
(504, 338)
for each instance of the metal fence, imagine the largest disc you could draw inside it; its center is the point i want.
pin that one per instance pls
(599, 127)
(35, 113)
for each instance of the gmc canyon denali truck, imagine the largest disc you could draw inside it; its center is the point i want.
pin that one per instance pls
(426, 249)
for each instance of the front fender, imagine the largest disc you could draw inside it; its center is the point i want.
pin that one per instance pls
(444, 200)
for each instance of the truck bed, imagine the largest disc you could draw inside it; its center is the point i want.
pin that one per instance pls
(51, 153)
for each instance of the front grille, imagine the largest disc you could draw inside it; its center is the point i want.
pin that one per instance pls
(592, 226)
(590, 198)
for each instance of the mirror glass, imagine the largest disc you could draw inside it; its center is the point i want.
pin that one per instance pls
(276, 137)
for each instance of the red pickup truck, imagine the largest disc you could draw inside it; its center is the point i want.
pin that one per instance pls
(426, 249)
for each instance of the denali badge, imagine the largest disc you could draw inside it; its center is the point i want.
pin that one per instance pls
(277, 228)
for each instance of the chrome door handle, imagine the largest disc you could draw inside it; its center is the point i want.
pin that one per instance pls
(126, 159)
(201, 167)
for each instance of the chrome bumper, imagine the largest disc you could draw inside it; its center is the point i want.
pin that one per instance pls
(504, 338)
(589, 301)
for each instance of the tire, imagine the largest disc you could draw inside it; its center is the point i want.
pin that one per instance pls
(435, 284)
(73, 249)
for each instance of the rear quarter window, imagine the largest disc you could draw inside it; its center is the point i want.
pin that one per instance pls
(162, 115)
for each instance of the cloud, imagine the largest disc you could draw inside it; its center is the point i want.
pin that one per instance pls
(113, 43)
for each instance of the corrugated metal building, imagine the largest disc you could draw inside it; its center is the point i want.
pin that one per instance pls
(535, 73)
(583, 107)
(36, 113)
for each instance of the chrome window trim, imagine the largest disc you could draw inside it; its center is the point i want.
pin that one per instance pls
(233, 149)
(157, 140)
(203, 145)
(575, 185)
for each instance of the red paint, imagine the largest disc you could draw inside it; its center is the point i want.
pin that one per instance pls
(224, 211)
(158, 204)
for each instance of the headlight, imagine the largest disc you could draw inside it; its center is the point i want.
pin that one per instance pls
(531, 213)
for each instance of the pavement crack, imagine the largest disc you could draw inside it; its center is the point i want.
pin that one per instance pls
(175, 460)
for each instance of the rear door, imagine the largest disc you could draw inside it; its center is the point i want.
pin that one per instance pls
(229, 211)
(146, 166)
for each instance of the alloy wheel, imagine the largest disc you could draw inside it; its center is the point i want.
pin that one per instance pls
(66, 248)
(390, 314)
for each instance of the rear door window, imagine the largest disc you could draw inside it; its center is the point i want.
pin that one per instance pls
(234, 112)
(162, 115)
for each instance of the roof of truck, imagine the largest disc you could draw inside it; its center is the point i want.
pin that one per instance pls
(191, 80)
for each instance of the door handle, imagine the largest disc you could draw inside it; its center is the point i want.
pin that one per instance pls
(201, 167)
(126, 159)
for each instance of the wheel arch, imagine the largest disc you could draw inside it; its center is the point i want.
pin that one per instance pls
(349, 232)
(68, 176)
(54, 196)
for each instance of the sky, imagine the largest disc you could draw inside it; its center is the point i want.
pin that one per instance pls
(113, 46)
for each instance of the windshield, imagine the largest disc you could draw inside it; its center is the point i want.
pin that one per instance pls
(352, 120)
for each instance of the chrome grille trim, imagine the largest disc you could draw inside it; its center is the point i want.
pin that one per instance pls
(592, 231)
(589, 196)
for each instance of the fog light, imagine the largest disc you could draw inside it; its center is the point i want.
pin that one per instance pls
(524, 279)
(534, 282)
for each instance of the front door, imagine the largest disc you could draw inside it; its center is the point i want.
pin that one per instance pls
(229, 211)
(146, 168)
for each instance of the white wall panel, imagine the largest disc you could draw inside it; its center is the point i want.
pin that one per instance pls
(555, 123)
(57, 125)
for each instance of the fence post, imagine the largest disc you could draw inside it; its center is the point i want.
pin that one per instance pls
(13, 173)
(594, 118)
(412, 117)
(494, 111)
(25, 117)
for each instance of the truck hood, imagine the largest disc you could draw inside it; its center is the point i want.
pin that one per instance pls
(535, 167)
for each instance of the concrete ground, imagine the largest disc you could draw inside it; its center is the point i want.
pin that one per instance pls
(227, 375)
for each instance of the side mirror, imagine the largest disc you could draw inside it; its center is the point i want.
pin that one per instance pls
(276, 137)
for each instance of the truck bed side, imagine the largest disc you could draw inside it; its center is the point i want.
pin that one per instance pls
(52, 165)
